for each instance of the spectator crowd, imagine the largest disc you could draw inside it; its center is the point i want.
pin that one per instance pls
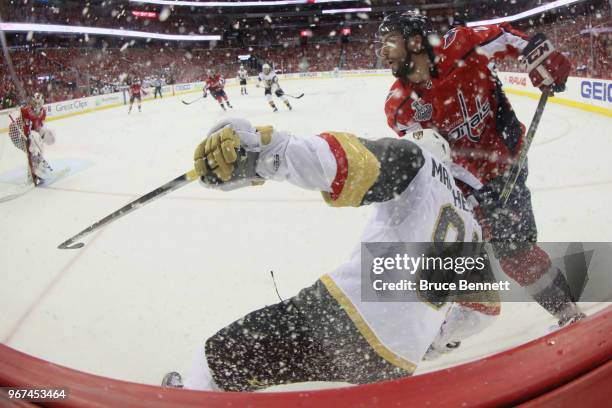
(77, 69)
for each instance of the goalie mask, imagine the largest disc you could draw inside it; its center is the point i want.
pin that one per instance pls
(266, 69)
(432, 142)
(406, 25)
(37, 102)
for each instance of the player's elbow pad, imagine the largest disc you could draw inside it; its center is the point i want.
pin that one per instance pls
(400, 162)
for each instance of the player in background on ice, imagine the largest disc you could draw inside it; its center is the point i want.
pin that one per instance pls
(215, 84)
(446, 84)
(32, 119)
(243, 75)
(157, 84)
(136, 92)
(326, 332)
(270, 83)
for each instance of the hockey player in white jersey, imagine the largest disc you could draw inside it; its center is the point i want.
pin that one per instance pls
(326, 332)
(242, 78)
(268, 79)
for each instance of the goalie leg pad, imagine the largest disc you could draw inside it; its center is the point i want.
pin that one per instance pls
(41, 167)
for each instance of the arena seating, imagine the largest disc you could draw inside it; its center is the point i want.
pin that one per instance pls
(74, 71)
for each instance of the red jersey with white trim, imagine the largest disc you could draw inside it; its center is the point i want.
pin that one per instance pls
(31, 119)
(464, 102)
(214, 83)
(135, 89)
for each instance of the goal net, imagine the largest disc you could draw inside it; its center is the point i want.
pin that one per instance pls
(15, 168)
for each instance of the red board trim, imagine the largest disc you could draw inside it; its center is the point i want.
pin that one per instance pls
(508, 378)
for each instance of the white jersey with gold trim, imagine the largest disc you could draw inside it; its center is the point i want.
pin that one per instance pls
(401, 332)
(269, 80)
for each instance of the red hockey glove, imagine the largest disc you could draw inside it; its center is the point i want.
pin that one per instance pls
(547, 67)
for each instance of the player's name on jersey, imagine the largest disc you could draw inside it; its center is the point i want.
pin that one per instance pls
(424, 285)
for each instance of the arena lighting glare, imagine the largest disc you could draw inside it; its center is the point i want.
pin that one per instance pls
(348, 10)
(63, 29)
(519, 16)
(234, 3)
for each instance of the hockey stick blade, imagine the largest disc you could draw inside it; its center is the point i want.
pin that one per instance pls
(517, 167)
(295, 96)
(189, 103)
(67, 245)
(161, 191)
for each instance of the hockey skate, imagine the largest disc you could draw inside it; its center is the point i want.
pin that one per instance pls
(436, 350)
(172, 380)
(570, 314)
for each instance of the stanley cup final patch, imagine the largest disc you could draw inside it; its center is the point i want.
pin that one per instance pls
(422, 112)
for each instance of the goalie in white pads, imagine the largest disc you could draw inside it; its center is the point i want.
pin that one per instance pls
(326, 332)
(29, 134)
(269, 80)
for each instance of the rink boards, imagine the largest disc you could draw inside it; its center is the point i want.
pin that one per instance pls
(591, 94)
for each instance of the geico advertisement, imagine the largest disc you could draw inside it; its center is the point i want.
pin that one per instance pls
(596, 89)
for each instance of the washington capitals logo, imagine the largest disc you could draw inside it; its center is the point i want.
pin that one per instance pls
(449, 37)
(422, 112)
(471, 124)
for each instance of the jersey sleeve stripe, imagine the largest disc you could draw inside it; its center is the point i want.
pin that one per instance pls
(341, 162)
(501, 44)
(488, 308)
(363, 327)
(358, 170)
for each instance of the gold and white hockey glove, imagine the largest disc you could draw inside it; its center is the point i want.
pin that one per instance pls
(227, 158)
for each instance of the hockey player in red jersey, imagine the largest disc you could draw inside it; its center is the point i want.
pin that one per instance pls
(136, 92)
(215, 84)
(447, 84)
(32, 118)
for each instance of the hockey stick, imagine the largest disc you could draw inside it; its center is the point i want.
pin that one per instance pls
(294, 96)
(195, 100)
(517, 167)
(170, 186)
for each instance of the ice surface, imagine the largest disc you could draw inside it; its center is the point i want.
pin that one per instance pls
(146, 291)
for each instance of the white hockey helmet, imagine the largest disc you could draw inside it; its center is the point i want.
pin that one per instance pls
(266, 68)
(433, 142)
(37, 101)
